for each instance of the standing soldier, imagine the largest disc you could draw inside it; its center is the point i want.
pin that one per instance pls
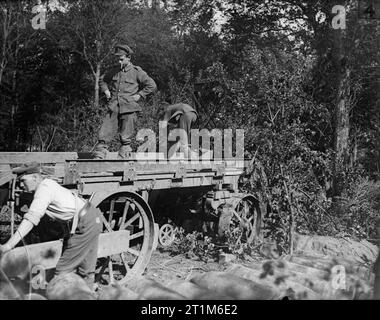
(123, 86)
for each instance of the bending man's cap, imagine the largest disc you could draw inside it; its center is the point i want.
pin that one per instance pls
(27, 168)
(121, 49)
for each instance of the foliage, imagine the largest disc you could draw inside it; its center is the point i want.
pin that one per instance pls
(269, 67)
(360, 205)
(194, 244)
(73, 127)
(234, 244)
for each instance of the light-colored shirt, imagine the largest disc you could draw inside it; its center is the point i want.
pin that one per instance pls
(54, 200)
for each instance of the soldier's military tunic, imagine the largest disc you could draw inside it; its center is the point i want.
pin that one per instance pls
(123, 84)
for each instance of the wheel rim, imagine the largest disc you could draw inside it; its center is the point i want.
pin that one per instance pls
(166, 235)
(245, 217)
(127, 211)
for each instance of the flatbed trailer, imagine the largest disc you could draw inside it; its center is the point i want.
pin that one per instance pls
(138, 198)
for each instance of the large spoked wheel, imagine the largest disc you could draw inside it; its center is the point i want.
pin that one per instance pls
(243, 219)
(127, 211)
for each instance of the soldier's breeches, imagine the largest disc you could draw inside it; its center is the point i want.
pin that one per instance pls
(127, 128)
(109, 127)
(124, 123)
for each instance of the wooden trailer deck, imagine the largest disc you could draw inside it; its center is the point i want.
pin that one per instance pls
(89, 176)
(126, 192)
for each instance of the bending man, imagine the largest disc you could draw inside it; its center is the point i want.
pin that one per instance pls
(80, 219)
(181, 116)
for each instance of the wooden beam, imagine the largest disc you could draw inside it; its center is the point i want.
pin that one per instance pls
(41, 157)
(6, 177)
(89, 166)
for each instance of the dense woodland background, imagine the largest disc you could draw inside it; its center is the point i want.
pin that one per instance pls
(306, 94)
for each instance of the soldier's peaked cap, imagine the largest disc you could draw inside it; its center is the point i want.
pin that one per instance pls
(121, 49)
(27, 168)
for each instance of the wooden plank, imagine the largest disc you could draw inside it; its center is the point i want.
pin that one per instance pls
(90, 188)
(144, 175)
(111, 243)
(143, 156)
(6, 177)
(19, 261)
(134, 156)
(41, 157)
(53, 157)
(5, 167)
(88, 166)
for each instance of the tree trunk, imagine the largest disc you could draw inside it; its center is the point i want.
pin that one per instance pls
(96, 92)
(342, 112)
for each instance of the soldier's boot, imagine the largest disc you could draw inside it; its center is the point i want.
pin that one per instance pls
(100, 151)
(125, 152)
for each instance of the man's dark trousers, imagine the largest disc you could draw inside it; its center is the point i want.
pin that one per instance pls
(114, 122)
(80, 250)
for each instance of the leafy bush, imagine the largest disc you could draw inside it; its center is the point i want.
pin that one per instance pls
(359, 208)
(194, 244)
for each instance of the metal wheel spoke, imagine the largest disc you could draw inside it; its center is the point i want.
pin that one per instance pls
(246, 207)
(125, 262)
(136, 235)
(125, 211)
(110, 270)
(112, 208)
(237, 216)
(131, 220)
(133, 251)
(105, 222)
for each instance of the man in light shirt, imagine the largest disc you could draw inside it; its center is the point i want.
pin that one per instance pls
(80, 246)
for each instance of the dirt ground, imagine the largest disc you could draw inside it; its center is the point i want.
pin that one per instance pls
(165, 267)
